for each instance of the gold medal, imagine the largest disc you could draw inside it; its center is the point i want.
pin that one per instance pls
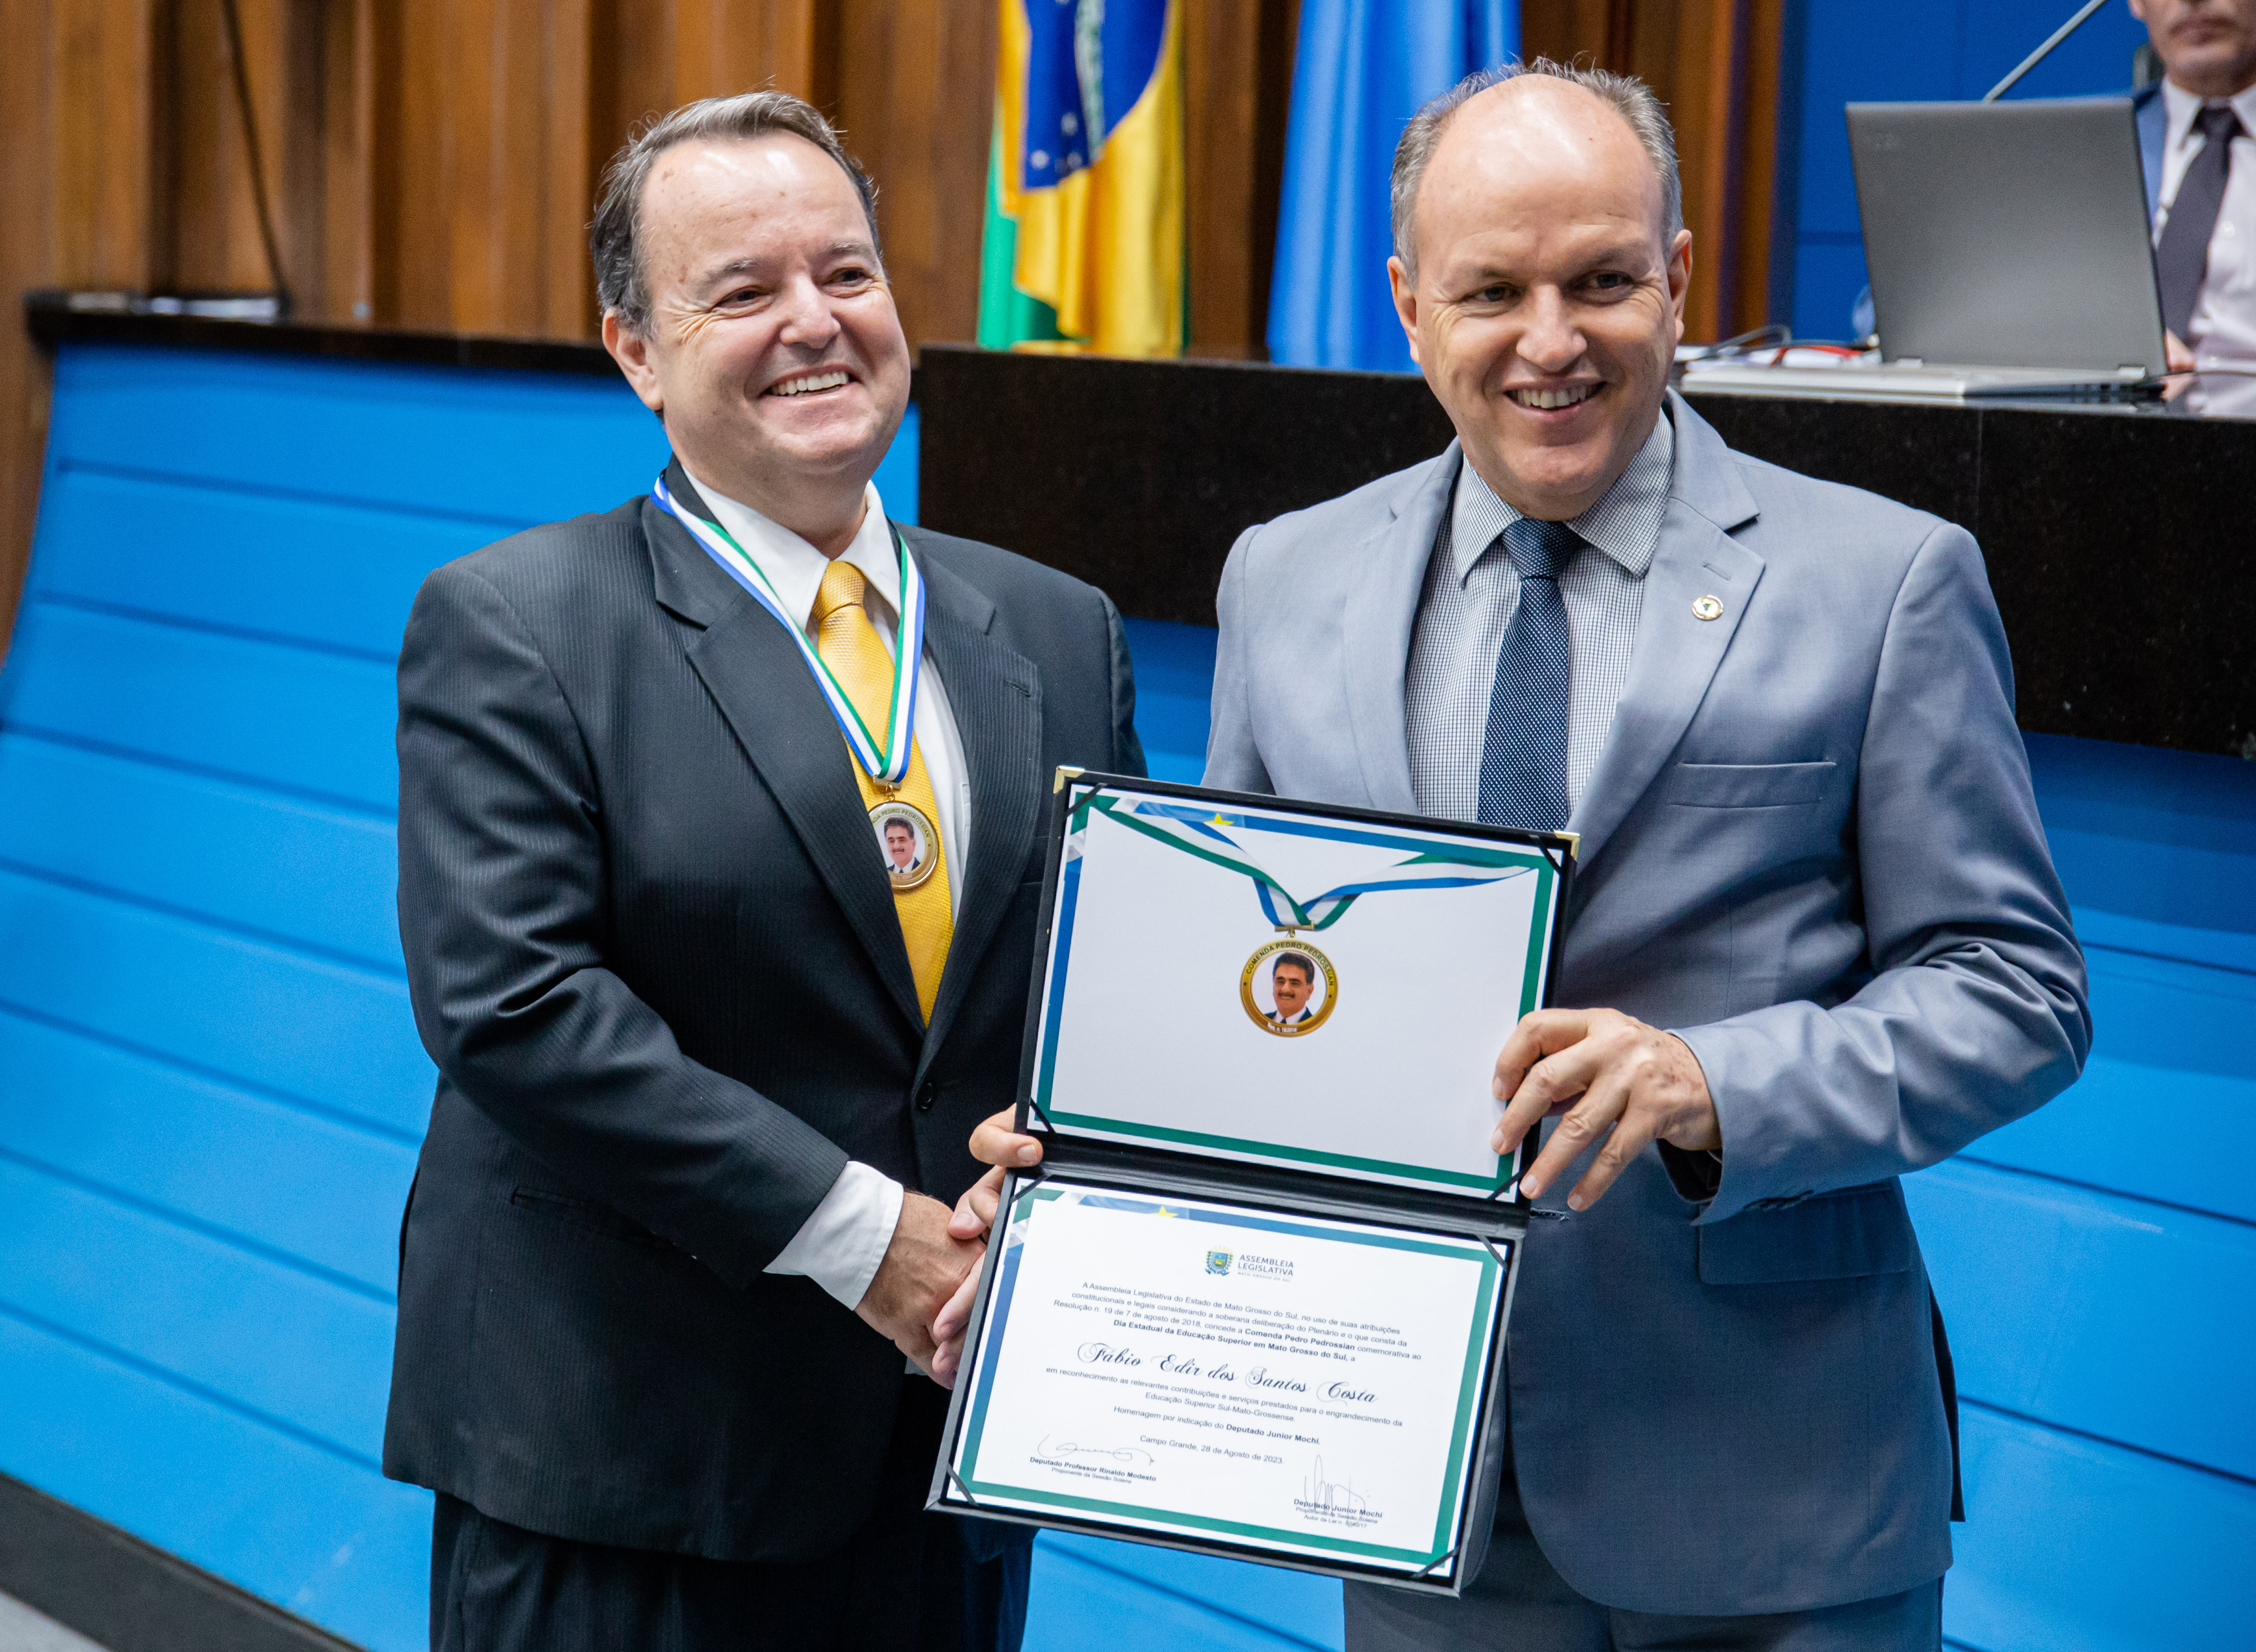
(907, 841)
(1298, 982)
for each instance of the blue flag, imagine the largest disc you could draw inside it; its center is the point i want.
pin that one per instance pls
(1363, 68)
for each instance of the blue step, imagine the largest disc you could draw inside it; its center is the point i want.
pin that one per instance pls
(273, 1174)
(321, 875)
(305, 1352)
(338, 1036)
(1141, 1597)
(2074, 1546)
(239, 708)
(333, 574)
(2111, 1315)
(509, 448)
(319, 1533)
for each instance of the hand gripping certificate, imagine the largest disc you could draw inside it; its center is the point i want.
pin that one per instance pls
(1300, 1388)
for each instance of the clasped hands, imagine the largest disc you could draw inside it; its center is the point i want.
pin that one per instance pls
(1612, 1081)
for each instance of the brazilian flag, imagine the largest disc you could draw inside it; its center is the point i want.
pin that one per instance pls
(1085, 236)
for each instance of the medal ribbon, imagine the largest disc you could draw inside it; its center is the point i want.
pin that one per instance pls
(887, 763)
(1199, 832)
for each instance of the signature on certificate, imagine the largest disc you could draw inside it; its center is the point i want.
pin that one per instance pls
(1071, 1448)
(1329, 1493)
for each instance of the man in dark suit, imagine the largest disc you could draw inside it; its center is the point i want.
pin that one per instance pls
(707, 1074)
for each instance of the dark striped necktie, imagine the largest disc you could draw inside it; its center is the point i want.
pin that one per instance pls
(2182, 255)
(1523, 772)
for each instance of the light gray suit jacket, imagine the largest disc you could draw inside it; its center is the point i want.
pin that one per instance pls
(1810, 848)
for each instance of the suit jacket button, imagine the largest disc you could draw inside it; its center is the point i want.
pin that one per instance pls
(928, 1093)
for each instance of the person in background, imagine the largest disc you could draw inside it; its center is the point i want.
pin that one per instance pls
(2197, 138)
(705, 1073)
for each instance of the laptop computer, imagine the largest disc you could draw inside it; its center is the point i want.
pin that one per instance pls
(2010, 253)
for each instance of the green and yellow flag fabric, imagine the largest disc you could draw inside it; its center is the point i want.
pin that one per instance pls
(1085, 236)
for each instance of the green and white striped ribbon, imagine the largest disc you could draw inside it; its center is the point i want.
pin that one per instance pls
(1202, 833)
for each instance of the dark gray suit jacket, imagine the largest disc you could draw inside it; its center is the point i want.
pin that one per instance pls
(653, 952)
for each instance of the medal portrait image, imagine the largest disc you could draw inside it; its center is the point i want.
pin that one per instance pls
(1288, 988)
(906, 840)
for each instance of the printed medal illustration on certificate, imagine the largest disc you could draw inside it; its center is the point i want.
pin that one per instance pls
(1345, 984)
(1302, 988)
(1252, 1300)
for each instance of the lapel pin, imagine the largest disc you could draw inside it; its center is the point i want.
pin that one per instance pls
(1707, 607)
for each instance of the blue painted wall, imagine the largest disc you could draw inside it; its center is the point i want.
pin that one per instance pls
(210, 1091)
(1842, 51)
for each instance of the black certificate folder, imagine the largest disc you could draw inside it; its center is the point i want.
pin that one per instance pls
(1253, 1300)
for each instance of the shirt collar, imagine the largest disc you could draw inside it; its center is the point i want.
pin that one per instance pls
(1625, 523)
(2181, 106)
(794, 567)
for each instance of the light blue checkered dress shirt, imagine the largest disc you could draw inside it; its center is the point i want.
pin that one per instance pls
(1470, 593)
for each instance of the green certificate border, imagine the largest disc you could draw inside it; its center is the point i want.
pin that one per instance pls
(1537, 951)
(966, 1458)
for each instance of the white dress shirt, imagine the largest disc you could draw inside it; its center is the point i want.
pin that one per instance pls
(2222, 329)
(842, 1244)
(1472, 593)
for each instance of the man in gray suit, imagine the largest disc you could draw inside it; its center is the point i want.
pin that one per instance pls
(1779, 715)
(1815, 939)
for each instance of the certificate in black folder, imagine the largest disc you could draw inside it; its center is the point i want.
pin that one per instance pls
(1253, 1300)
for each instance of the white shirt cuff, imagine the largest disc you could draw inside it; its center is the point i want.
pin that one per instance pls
(839, 1246)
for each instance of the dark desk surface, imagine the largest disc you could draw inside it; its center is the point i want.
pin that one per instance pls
(2119, 540)
(57, 318)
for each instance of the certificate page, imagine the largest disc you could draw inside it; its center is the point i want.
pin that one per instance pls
(1305, 1386)
(1262, 985)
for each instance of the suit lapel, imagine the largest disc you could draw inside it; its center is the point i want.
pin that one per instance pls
(996, 696)
(686, 580)
(756, 676)
(1677, 652)
(1378, 626)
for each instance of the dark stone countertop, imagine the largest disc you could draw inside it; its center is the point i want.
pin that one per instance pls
(2118, 537)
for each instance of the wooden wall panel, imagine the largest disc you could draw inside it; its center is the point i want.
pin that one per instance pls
(207, 211)
(655, 55)
(1696, 49)
(77, 128)
(100, 124)
(344, 175)
(1756, 169)
(480, 216)
(1238, 81)
(915, 99)
(433, 163)
(311, 77)
(27, 239)
(1716, 64)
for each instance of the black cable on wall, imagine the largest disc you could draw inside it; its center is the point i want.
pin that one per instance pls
(258, 167)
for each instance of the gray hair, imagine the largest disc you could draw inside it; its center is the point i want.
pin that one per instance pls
(1625, 95)
(612, 239)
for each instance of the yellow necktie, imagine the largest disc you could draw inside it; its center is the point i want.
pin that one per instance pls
(848, 644)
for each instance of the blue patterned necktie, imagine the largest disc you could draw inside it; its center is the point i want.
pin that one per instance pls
(1523, 772)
